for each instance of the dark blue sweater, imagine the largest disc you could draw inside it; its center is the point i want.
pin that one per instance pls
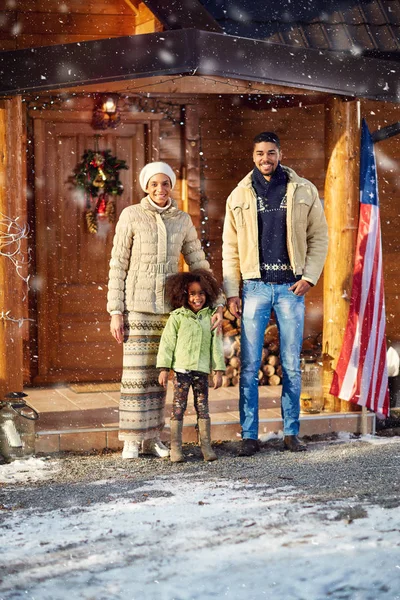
(271, 212)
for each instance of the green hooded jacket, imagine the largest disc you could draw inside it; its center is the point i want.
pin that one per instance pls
(187, 342)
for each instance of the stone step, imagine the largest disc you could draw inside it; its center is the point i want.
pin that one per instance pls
(222, 429)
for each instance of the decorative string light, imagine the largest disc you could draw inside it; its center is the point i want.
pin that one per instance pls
(5, 316)
(205, 225)
(11, 236)
(244, 88)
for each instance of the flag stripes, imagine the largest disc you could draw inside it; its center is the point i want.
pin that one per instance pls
(361, 372)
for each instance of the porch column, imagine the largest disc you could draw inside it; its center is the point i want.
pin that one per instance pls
(13, 290)
(341, 202)
(192, 161)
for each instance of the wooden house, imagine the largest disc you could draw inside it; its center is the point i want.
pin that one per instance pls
(195, 82)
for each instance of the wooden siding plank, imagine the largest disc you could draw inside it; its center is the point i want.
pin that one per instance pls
(100, 7)
(42, 23)
(12, 288)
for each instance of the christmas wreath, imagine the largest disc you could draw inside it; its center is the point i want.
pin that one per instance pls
(98, 175)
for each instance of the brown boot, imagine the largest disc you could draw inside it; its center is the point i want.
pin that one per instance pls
(176, 454)
(292, 443)
(204, 426)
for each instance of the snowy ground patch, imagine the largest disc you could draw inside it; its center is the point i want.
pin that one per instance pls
(29, 470)
(181, 538)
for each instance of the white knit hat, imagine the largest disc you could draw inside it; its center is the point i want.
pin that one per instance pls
(155, 168)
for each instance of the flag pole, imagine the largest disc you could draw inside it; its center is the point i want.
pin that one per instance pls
(361, 371)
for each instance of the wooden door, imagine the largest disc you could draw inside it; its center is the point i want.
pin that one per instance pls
(74, 337)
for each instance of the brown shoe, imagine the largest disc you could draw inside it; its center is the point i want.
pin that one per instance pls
(249, 447)
(292, 443)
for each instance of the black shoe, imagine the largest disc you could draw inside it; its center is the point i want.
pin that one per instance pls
(292, 443)
(249, 447)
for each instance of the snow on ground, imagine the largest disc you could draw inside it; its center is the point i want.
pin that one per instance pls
(28, 470)
(180, 538)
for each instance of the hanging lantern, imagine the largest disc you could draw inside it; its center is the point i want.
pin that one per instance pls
(105, 112)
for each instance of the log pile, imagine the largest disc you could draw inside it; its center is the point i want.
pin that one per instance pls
(270, 372)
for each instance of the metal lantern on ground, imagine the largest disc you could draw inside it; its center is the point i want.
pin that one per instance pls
(17, 427)
(312, 397)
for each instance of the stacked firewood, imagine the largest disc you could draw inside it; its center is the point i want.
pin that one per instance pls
(270, 372)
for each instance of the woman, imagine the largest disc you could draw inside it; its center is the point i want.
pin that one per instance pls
(149, 238)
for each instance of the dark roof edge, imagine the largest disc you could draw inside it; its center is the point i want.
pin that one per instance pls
(195, 52)
(54, 67)
(305, 68)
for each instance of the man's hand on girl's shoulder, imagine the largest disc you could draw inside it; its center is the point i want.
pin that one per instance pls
(216, 319)
(234, 306)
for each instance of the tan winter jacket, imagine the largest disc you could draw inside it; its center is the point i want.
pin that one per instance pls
(146, 248)
(307, 233)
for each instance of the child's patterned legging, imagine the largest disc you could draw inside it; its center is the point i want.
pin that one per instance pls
(182, 383)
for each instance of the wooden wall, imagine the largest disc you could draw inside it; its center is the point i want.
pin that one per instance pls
(71, 337)
(223, 143)
(227, 131)
(48, 22)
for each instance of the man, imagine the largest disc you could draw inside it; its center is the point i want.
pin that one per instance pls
(274, 240)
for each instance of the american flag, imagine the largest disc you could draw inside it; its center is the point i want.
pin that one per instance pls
(361, 372)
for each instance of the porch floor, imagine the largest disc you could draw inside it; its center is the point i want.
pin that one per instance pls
(85, 421)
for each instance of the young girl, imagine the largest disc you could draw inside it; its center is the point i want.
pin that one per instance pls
(191, 349)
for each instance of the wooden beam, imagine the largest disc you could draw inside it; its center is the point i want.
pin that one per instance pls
(187, 85)
(133, 7)
(146, 21)
(192, 163)
(13, 289)
(85, 116)
(341, 203)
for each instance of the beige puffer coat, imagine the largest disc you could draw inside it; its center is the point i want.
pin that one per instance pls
(307, 232)
(147, 246)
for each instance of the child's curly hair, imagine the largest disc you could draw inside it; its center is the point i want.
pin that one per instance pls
(176, 287)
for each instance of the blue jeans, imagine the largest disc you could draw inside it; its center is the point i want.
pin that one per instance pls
(258, 299)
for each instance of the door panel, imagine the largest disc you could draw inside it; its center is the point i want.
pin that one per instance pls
(72, 264)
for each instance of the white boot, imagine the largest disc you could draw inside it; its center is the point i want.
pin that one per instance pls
(131, 450)
(155, 447)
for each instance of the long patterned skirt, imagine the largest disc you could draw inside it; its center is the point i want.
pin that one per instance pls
(142, 402)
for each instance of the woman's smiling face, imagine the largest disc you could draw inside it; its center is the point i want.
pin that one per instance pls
(159, 189)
